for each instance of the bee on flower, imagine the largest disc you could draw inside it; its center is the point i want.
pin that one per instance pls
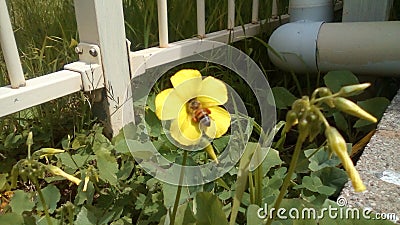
(193, 106)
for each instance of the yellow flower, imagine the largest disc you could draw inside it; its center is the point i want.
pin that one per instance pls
(338, 145)
(173, 104)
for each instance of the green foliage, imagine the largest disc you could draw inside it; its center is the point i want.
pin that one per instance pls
(283, 98)
(334, 80)
(209, 209)
(21, 202)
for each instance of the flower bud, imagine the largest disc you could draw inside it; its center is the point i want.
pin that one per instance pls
(324, 92)
(291, 120)
(353, 89)
(86, 183)
(44, 152)
(337, 145)
(353, 109)
(304, 129)
(301, 105)
(314, 123)
(29, 140)
(57, 171)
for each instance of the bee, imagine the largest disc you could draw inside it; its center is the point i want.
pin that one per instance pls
(199, 114)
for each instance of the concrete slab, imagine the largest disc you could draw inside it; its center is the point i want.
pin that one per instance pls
(379, 167)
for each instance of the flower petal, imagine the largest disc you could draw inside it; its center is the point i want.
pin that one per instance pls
(187, 83)
(220, 122)
(183, 75)
(184, 130)
(207, 102)
(214, 89)
(168, 104)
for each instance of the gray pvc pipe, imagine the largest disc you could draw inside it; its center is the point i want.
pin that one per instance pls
(370, 48)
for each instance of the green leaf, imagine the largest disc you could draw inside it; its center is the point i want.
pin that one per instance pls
(340, 121)
(335, 80)
(283, 97)
(51, 196)
(184, 215)
(21, 201)
(87, 195)
(101, 143)
(154, 127)
(43, 221)
(252, 215)
(85, 217)
(75, 161)
(332, 177)
(123, 221)
(140, 202)
(122, 147)
(3, 180)
(374, 106)
(322, 158)
(272, 159)
(169, 193)
(209, 209)
(314, 184)
(220, 143)
(107, 165)
(11, 219)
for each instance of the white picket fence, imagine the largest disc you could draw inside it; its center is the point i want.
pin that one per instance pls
(103, 54)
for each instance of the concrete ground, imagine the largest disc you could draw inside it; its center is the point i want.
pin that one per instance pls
(379, 167)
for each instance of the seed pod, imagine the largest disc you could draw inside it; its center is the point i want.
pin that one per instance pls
(353, 89)
(353, 109)
(338, 145)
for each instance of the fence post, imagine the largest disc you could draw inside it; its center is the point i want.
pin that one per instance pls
(254, 13)
(9, 47)
(274, 13)
(101, 22)
(201, 18)
(231, 14)
(162, 23)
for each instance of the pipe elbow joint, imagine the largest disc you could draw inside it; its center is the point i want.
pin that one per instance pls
(293, 46)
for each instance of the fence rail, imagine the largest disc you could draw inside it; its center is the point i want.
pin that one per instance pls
(103, 52)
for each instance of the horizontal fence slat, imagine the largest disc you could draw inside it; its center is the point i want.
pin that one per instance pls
(39, 90)
(175, 50)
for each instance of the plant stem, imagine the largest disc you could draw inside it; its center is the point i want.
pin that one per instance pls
(286, 181)
(178, 192)
(258, 183)
(42, 200)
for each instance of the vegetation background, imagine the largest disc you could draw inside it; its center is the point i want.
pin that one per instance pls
(118, 192)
